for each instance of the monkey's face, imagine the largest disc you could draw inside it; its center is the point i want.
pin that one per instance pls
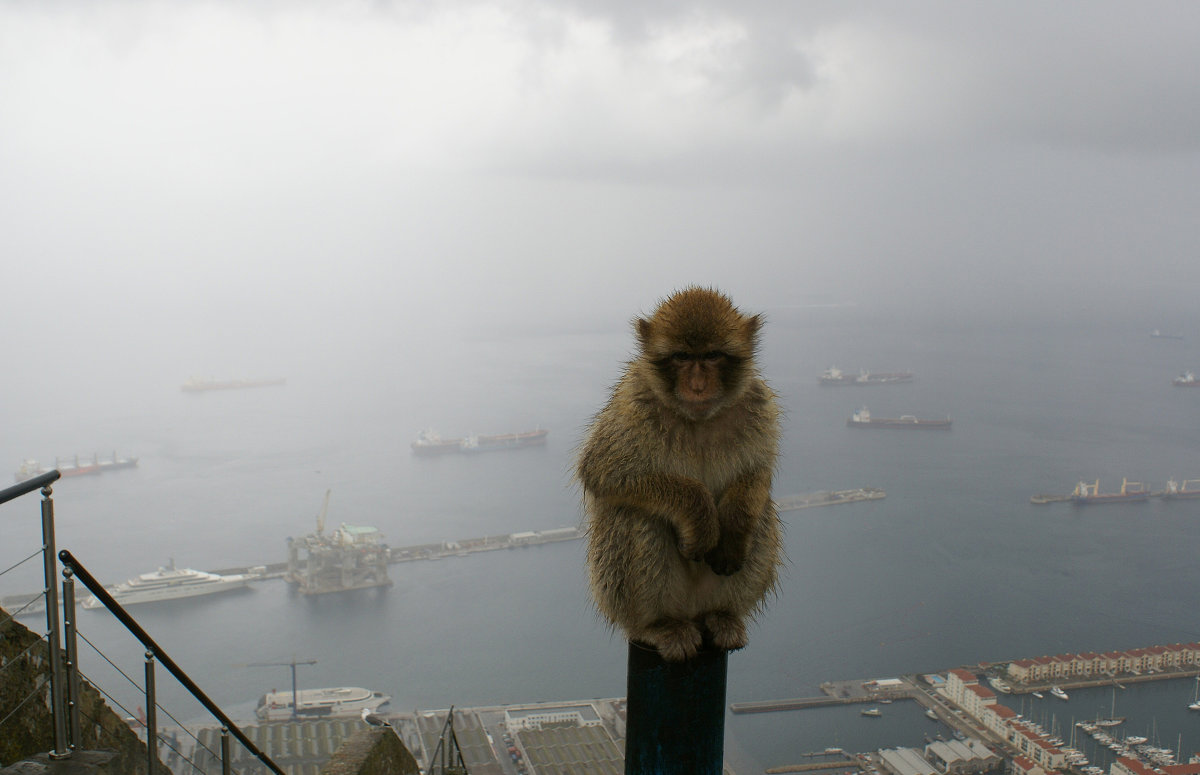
(700, 350)
(696, 380)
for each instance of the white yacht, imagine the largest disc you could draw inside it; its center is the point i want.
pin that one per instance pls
(1059, 693)
(170, 583)
(319, 703)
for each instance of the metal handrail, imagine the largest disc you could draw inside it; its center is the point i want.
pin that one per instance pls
(153, 649)
(29, 485)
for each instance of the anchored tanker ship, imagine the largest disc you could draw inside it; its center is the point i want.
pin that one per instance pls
(863, 419)
(430, 443)
(75, 467)
(835, 376)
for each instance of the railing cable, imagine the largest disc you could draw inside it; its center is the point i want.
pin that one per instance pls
(15, 613)
(153, 648)
(130, 714)
(137, 686)
(22, 562)
(109, 661)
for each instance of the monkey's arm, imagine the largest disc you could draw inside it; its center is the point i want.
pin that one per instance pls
(684, 503)
(739, 509)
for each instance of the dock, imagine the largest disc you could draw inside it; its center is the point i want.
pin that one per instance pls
(32, 603)
(835, 693)
(828, 498)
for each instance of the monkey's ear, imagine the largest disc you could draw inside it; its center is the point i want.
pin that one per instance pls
(644, 329)
(751, 326)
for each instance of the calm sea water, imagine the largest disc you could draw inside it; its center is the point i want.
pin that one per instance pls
(955, 566)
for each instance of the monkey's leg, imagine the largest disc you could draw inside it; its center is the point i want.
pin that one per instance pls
(675, 639)
(728, 630)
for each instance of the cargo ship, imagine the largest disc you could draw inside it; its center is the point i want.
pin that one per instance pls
(835, 376)
(75, 467)
(1189, 488)
(198, 385)
(430, 443)
(1186, 379)
(505, 441)
(863, 419)
(1085, 493)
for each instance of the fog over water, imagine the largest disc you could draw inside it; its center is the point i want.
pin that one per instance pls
(446, 215)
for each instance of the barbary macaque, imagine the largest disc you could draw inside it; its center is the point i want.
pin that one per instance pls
(683, 539)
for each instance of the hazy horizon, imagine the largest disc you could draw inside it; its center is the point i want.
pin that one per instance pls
(231, 183)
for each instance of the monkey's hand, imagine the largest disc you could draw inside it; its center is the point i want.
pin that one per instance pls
(728, 556)
(697, 528)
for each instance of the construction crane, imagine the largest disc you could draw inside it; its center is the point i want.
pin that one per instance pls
(447, 757)
(293, 664)
(324, 511)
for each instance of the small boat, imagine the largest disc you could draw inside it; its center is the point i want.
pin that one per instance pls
(1186, 379)
(871, 712)
(1000, 685)
(1113, 721)
(1157, 334)
(931, 713)
(319, 703)
(1039, 695)
(1135, 740)
(1196, 696)
(1059, 693)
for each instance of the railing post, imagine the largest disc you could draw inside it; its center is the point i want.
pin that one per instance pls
(72, 645)
(53, 634)
(226, 763)
(151, 717)
(675, 721)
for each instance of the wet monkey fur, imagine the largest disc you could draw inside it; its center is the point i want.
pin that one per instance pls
(683, 539)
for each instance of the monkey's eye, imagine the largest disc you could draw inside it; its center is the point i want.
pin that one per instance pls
(681, 357)
(712, 356)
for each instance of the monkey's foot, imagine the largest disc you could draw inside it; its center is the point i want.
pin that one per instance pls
(675, 639)
(728, 631)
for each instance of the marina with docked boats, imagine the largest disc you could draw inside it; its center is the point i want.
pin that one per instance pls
(1024, 729)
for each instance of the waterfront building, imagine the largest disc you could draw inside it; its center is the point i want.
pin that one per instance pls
(1021, 765)
(960, 757)
(1037, 748)
(905, 761)
(1090, 662)
(976, 698)
(1139, 661)
(581, 714)
(957, 681)
(997, 718)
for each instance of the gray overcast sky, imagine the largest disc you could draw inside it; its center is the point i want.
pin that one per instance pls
(202, 169)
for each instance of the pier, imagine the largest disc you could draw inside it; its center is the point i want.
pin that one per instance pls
(30, 603)
(828, 498)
